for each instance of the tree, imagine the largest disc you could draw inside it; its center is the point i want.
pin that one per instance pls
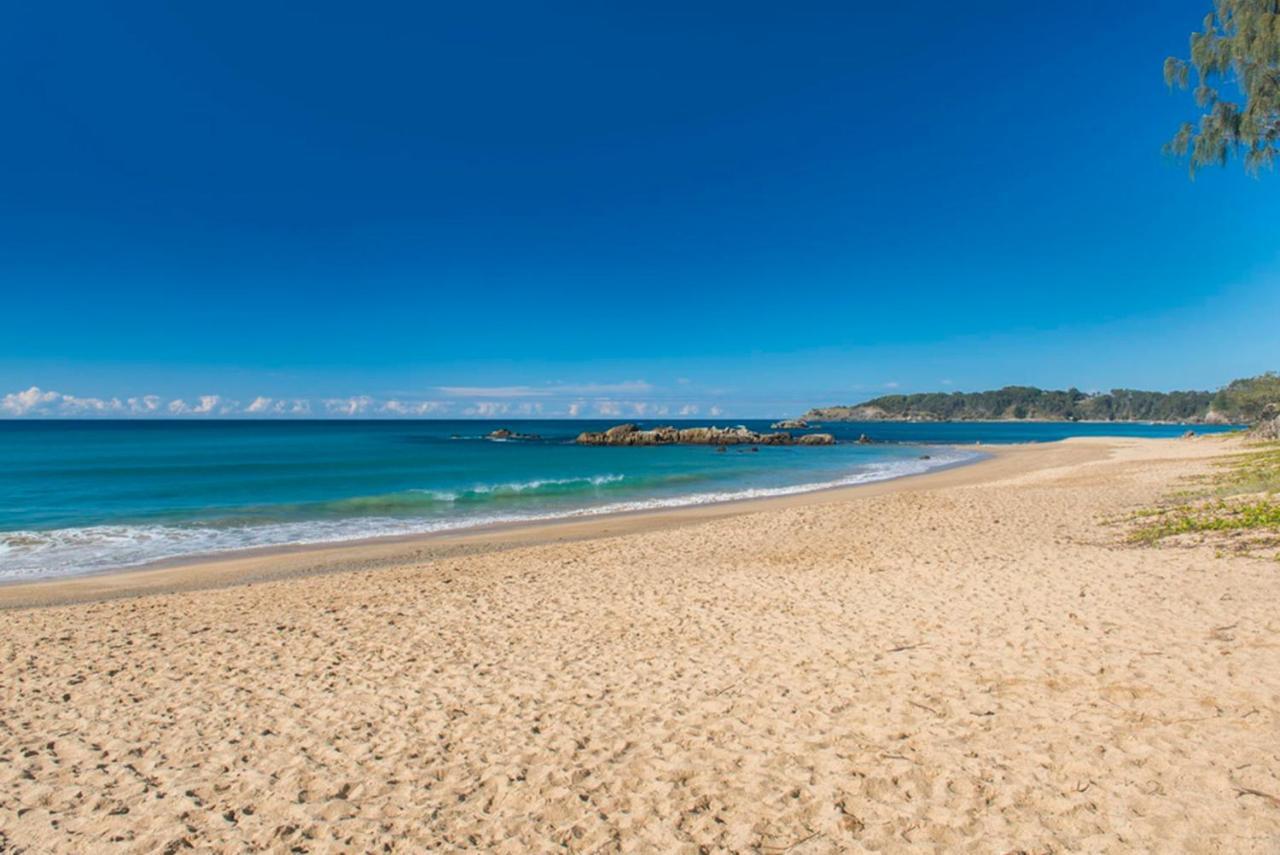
(1239, 48)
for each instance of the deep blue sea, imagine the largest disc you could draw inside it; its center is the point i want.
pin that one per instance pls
(81, 496)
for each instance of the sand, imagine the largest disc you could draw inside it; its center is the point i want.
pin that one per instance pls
(967, 661)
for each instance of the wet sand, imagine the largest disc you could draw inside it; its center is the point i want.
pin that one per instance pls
(963, 661)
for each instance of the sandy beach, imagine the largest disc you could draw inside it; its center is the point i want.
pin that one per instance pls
(970, 660)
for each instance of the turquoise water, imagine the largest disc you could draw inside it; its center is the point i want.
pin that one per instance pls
(80, 496)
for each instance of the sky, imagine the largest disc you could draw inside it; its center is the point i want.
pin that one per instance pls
(549, 210)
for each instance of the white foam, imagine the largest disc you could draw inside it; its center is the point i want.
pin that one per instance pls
(75, 551)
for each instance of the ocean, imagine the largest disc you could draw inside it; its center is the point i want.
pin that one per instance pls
(84, 496)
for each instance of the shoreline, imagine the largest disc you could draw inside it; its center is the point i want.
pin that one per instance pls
(608, 510)
(285, 561)
(972, 659)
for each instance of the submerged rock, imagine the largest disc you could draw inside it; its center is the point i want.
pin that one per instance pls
(630, 434)
(863, 439)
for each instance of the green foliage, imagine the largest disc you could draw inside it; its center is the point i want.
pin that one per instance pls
(1256, 471)
(1249, 397)
(1239, 48)
(1220, 516)
(1241, 500)
(1240, 401)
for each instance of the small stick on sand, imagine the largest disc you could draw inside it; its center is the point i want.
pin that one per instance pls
(1250, 791)
(905, 647)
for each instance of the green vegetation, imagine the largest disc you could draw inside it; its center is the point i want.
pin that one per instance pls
(1239, 47)
(1241, 401)
(1246, 399)
(1240, 504)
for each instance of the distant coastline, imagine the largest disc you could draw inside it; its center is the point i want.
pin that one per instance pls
(916, 419)
(1238, 403)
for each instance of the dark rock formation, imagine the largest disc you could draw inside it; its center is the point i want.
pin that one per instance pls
(503, 433)
(863, 439)
(630, 434)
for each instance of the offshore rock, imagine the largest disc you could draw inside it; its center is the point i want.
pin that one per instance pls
(504, 433)
(630, 434)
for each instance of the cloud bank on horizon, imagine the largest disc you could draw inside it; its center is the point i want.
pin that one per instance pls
(584, 401)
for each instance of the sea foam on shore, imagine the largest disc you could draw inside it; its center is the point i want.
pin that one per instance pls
(33, 554)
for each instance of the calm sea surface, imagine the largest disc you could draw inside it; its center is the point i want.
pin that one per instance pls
(79, 496)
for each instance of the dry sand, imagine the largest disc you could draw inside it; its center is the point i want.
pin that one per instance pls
(968, 661)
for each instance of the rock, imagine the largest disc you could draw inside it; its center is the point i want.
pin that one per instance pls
(926, 457)
(790, 424)
(863, 439)
(1268, 425)
(619, 431)
(504, 434)
(630, 434)
(1189, 435)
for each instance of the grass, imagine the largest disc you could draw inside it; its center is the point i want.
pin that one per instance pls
(1237, 506)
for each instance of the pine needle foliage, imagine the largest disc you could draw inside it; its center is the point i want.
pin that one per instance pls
(1238, 51)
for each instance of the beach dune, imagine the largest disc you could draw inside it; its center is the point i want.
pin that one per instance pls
(966, 661)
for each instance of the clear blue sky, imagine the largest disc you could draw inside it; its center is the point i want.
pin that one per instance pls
(483, 208)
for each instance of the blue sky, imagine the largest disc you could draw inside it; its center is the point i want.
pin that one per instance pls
(737, 210)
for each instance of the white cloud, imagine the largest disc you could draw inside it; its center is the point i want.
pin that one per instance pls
(414, 408)
(688, 410)
(208, 403)
(264, 406)
(36, 402)
(24, 403)
(488, 391)
(645, 408)
(487, 409)
(145, 404)
(352, 406)
(39, 402)
(892, 384)
(714, 411)
(71, 405)
(626, 387)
